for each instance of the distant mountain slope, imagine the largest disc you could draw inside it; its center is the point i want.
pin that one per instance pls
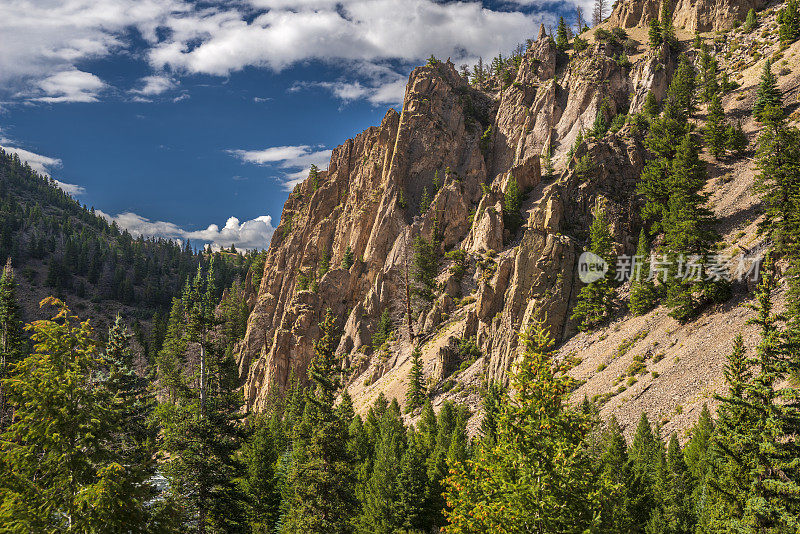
(59, 247)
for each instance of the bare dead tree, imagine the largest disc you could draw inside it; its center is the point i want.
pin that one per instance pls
(599, 12)
(579, 22)
(407, 283)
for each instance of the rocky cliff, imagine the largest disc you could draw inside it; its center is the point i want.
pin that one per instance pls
(470, 141)
(690, 15)
(458, 145)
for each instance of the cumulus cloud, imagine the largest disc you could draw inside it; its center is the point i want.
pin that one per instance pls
(296, 159)
(387, 93)
(154, 85)
(43, 165)
(39, 163)
(70, 86)
(253, 234)
(45, 43)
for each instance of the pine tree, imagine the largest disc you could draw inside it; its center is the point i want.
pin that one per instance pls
(321, 480)
(595, 299)
(667, 28)
(615, 476)
(512, 217)
(751, 21)
(735, 139)
(562, 38)
(768, 93)
(492, 403)
(425, 201)
(761, 418)
(709, 83)
(12, 341)
(60, 467)
(644, 462)
(514, 485)
(261, 479)
(689, 235)
(643, 295)
(415, 396)
(313, 174)
(426, 267)
(778, 161)
(200, 433)
(654, 33)
(412, 481)
(383, 330)
(789, 22)
(715, 131)
(651, 107)
(347, 259)
(601, 122)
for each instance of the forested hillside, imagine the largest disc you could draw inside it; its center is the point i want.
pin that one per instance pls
(59, 247)
(421, 349)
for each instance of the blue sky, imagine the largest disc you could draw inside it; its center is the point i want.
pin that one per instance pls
(194, 119)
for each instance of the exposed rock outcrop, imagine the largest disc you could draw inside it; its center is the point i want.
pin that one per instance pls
(692, 15)
(457, 148)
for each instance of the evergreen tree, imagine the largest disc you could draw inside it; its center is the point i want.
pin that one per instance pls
(562, 36)
(412, 482)
(383, 330)
(709, 83)
(715, 131)
(643, 295)
(601, 122)
(596, 298)
(425, 201)
(200, 434)
(667, 28)
(651, 107)
(426, 267)
(761, 421)
(415, 396)
(514, 485)
(645, 464)
(512, 217)
(689, 236)
(313, 174)
(321, 497)
(60, 467)
(751, 21)
(735, 139)
(778, 160)
(492, 404)
(789, 22)
(347, 259)
(654, 33)
(768, 93)
(261, 480)
(12, 341)
(615, 475)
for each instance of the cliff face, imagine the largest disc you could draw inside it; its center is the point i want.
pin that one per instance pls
(691, 15)
(470, 142)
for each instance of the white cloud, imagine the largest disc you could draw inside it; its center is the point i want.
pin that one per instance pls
(298, 157)
(70, 189)
(43, 165)
(388, 93)
(154, 85)
(46, 42)
(253, 234)
(70, 86)
(39, 163)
